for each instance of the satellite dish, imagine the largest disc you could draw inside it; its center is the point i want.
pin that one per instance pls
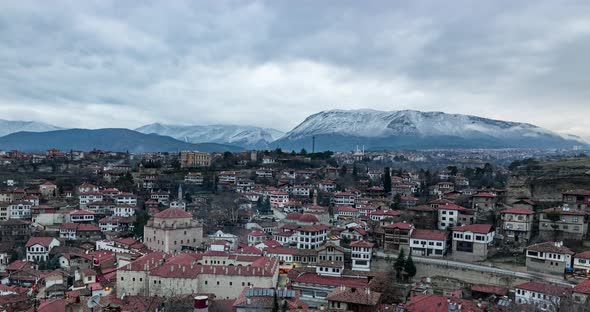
(93, 301)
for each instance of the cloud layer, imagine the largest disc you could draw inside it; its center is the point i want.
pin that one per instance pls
(127, 63)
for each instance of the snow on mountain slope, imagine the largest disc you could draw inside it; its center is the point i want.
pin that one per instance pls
(245, 136)
(409, 127)
(372, 123)
(12, 126)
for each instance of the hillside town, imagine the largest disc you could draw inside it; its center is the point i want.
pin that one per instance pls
(276, 231)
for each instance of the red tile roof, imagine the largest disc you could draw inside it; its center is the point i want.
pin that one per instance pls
(173, 213)
(438, 303)
(364, 297)
(550, 247)
(545, 288)
(43, 241)
(488, 289)
(399, 225)
(308, 218)
(583, 255)
(429, 234)
(475, 228)
(583, 287)
(517, 210)
(362, 244)
(572, 212)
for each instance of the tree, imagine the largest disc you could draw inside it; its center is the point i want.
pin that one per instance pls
(355, 171)
(400, 263)
(387, 180)
(303, 152)
(410, 267)
(285, 306)
(397, 200)
(141, 219)
(343, 170)
(275, 302)
(554, 216)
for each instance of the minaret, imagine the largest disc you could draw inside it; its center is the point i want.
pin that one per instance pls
(180, 192)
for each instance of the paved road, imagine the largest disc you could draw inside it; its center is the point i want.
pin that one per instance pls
(482, 268)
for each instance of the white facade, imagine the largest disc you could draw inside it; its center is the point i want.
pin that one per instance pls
(311, 237)
(344, 199)
(20, 210)
(542, 301)
(124, 211)
(38, 252)
(126, 199)
(89, 197)
(428, 247)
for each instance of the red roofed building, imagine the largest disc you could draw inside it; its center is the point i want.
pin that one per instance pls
(517, 224)
(543, 296)
(346, 212)
(361, 254)
(171, 230)
(572, 224)
(484, 201)
(438, 303)
(548, 257)
(353, 299)
(581, 294)
(470, 242)
(312, 236)
(450, 215)
(38, 248)
(396, 236)
(577, 199)
(582, 262)
(429, 243)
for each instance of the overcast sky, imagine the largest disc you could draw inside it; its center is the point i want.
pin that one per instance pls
(127, 63)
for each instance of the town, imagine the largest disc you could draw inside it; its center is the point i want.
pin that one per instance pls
(295, 231)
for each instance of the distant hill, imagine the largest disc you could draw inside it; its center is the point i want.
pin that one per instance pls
(343, 130)
(250, 137)
(12, 126)
(111, 139)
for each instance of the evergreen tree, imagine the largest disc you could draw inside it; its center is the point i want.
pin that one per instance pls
(397, 199)
(355, 172)
(343, 170)
(267, 207)
(410, 267)
(400, 263)
(387, 180)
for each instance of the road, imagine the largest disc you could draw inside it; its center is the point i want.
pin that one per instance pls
(481, 268)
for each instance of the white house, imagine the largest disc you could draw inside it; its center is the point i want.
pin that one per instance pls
(89, 197)
(582, 262)
(312, 236)
(543, 296)
(124, 211)
(450, 215)
(19, 210)
(429, 243)
(344, 199)
(470, 242)
(126, 199)
(361, 253)
(38, 248)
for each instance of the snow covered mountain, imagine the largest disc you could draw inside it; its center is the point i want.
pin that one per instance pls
(249, 137)
(342, 130)
(12, 126)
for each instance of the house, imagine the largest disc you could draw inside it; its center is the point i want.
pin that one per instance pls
(582, 262)
(450, 215)
(517, 224)
(80, 231)
(48, 190)
(343, 199)
(439, 303)
(278, 199)
(577, 199)
(581, 294)
(387, 216)
(429, 243)
(257, 237)
(470, 242)
(87, 187)
(423, 217)
(82, 216)
(396, 236)
(20, 210)
(116, 224)
(548, 257)
(89, 197)
(563, 223)
(195, 178)
(311, 236)
(542, 296)
(353, 299)
(346, 213)
(361, 254)
(38, 248)
(126, 199)
(354, 233)
(484, 202)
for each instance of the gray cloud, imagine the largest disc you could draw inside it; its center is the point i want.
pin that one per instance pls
(123, 64)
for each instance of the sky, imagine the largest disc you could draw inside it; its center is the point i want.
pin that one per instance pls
(96, 64)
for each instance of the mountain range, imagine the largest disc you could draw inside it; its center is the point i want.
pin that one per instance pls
(119, 140)
(336, 130)
(341, 130)
(249, 137)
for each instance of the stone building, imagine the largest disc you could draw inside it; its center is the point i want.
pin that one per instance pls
(470, 242)
(171, 230)
(548, 257)
(569, 224)
(517, 224)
